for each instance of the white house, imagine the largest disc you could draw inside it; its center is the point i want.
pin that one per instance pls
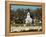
(28, 19)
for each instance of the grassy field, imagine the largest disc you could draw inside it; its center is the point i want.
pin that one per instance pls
(25, 28)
